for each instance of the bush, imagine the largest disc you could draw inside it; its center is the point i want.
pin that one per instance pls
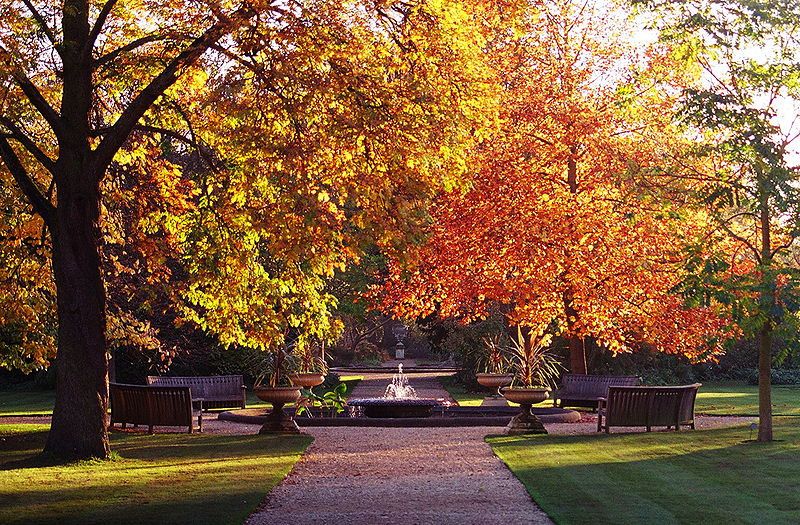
(780, 376)
(465, 343)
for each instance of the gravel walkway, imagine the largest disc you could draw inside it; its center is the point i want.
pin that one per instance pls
(442, 476)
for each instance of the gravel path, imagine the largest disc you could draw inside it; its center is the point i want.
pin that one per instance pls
(442, 476)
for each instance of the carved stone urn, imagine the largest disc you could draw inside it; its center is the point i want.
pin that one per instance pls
(278, 420)
(306, 380)
(526, 421)
(494, 381)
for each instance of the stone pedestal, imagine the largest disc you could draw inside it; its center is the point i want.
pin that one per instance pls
(525, 423)
(279, 421)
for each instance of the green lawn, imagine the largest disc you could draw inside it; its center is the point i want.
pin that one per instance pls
(26, 402)
(726, 398)
(164, 478)
(461, 395)
(718, 398)
(37, 402)
(702, 476)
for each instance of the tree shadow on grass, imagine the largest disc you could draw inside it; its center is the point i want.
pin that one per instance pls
(704, 476)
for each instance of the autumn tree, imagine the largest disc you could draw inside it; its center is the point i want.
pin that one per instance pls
(310, 126)
(551, 226)
(744, 113)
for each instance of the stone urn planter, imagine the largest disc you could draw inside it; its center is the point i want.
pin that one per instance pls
(306, 380)
(526, 421)
(278, 420)
(494, 381)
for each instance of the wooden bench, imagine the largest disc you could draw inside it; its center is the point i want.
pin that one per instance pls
(152, 406)
(582, 390)
(647, 406)
(215, 391)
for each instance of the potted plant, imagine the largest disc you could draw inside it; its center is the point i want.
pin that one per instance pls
(311, 366)
(537, 370)
(277, 392)
(495, 364)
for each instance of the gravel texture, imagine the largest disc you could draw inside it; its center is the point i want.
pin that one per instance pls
(407, 476)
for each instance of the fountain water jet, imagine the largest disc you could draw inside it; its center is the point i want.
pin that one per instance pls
(399, 387)
(399, 400)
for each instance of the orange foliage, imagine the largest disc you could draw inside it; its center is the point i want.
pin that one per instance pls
(550, 224)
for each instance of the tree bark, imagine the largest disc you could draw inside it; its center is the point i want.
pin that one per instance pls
(576, 345)
(577, 355)
(767, 303)
(765, 384)
(79, 427)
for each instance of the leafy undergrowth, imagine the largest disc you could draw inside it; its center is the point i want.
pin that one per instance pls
(702, 476)
(164, 478)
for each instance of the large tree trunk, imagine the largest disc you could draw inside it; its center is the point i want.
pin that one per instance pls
(576, 344)
(577, 355)
(79, 418)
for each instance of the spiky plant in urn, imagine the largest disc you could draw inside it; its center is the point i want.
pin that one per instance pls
(536, 371)
(277, 391)
(311, 365)
(495, 364)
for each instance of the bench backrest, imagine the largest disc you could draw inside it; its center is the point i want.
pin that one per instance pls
(650, 405)
(150, 405)
(208, 387)
(591, 386)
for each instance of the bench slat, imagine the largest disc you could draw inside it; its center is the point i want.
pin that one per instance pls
(152, 406)
(583, 390)
(216, 391)
(648, 406)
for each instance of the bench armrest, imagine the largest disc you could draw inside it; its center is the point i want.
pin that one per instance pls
(601, 403)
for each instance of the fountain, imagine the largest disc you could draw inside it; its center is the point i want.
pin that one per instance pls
(400, 406)
(399, 387)
(399, 400)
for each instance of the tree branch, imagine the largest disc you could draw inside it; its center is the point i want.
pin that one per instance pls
(40, 204)
(98, 26)
(168, 76)
(20, 136)
(33, 95)
(747, 244)
(43, 25)
(782, 247)
(108, 57)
